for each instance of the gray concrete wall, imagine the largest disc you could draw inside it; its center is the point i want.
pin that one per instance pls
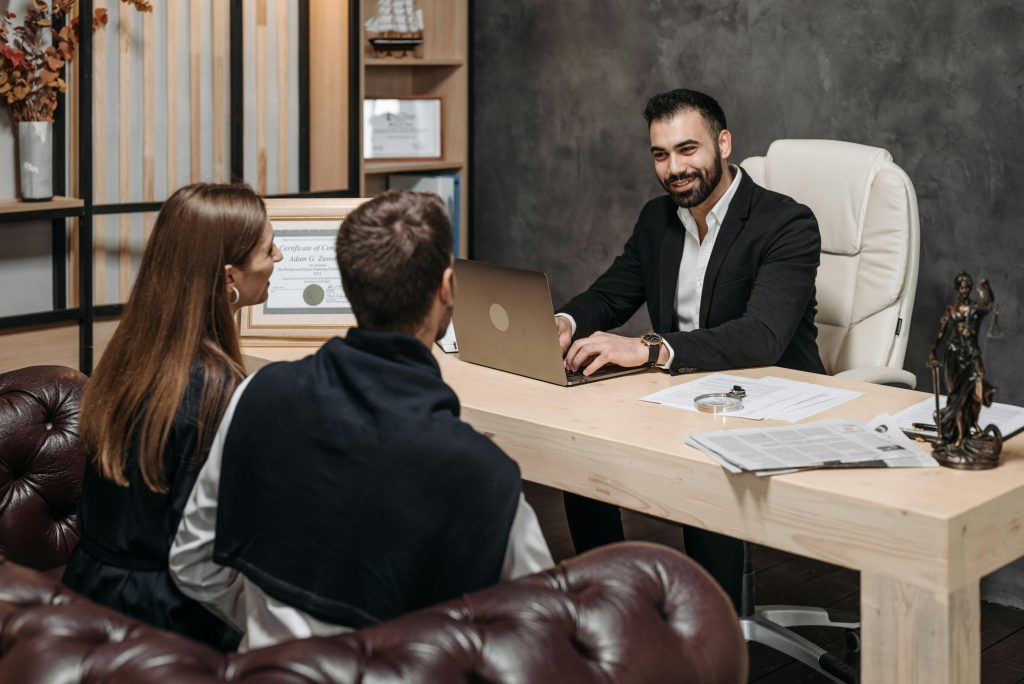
(561, 156)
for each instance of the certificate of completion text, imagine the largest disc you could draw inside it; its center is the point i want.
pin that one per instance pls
(306, 280)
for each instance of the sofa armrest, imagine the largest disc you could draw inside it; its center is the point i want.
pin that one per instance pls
(42, 464)
(631, 612)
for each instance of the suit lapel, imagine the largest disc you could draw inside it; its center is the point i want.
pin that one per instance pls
(668, 271)
(735, 219)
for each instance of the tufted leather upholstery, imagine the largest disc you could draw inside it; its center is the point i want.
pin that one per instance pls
(867, 211)
(632, 612)
(627, 613)
(41, 464)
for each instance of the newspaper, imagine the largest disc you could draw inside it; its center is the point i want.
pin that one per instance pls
(822, 444)
(767, 398)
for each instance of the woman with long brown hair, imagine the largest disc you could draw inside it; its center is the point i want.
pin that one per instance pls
(157, 395)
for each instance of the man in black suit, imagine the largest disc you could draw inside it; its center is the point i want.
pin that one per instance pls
(727, 271)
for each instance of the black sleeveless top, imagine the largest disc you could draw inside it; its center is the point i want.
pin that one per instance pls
(127, 532)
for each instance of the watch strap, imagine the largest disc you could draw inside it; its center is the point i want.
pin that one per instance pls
(652, 354)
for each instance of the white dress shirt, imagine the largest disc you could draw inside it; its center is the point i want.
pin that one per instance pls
(242, 604)
(696, 254)
(694, 263)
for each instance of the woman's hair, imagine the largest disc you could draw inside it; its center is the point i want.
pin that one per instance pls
(178, 312)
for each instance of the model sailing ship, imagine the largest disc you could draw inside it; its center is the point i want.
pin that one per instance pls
(398, 27)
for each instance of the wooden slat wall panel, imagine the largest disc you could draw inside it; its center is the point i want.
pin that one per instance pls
(99, 145)
(149, 48)
(271, 57)
(261, 96)
(328, 95)
(173, 33)
(195, 17)
(124, 142)
(282, 95)
(71, 100)
(142, 95)
(221, 81)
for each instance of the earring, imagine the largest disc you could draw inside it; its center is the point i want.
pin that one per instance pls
(235, 295)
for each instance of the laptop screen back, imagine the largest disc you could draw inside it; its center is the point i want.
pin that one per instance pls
(504, 319)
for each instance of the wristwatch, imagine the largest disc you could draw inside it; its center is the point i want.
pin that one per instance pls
(653, 342)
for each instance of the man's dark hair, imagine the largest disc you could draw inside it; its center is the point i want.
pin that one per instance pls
(666, 105)
(392, 253)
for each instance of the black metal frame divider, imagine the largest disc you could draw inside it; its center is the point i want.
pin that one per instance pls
(87, 310)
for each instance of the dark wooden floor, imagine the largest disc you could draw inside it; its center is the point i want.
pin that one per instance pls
(786, 578)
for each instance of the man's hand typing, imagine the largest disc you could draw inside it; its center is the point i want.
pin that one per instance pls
(564, 328)
(601, 348)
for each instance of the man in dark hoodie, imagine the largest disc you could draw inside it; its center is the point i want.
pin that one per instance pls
(343, 490)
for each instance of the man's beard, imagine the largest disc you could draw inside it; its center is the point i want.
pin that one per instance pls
(706, 182)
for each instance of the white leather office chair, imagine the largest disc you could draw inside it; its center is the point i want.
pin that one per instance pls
(867, 213)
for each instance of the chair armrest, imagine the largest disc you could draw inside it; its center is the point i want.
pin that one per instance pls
(880, 375)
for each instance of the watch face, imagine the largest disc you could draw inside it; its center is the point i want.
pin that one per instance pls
(651, 339)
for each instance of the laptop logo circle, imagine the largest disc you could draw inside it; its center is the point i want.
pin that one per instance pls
(499, 317)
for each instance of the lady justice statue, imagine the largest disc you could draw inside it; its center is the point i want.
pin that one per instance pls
(961, 442)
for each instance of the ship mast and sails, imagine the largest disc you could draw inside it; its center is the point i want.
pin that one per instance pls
(397, 26)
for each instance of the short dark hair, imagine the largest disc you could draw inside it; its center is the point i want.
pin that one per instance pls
(392, 253)
(666, 105)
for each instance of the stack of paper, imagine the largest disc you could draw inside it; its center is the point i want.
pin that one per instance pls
(767, 398)
(1009, 419)
(822, 444)
(448, 341)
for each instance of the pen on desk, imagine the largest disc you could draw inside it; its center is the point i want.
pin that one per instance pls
(920, 436)
(924, 426)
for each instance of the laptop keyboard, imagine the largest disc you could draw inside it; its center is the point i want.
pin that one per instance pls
(600, 372)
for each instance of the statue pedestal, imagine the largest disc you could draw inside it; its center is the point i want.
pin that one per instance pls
(980, 452)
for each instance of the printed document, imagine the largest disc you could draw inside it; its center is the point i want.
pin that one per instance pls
(1009, 419)
(448, 343)
(767, 398)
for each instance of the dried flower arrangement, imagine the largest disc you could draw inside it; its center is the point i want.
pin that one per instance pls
(30, 66)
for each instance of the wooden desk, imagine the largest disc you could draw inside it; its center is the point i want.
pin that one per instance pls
(921, 539)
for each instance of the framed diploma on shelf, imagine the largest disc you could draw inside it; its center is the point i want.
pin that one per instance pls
(305, 299)
(403, 128)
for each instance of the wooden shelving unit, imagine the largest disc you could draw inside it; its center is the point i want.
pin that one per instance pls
(73, 333)
(372, 168)
(412, 62)
(437, 68)
(58, 203)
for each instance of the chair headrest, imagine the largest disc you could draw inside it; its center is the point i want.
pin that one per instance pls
(835, 177)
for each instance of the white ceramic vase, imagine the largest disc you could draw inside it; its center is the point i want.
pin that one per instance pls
(35, 160)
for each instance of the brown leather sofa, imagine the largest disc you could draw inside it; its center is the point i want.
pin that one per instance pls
(625, 613)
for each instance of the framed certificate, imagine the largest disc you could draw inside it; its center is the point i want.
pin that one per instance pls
(405, 128)
(306, 299)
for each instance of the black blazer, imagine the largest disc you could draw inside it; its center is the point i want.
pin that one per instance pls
(758, 303)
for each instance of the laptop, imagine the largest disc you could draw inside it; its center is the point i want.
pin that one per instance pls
(504, 320)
